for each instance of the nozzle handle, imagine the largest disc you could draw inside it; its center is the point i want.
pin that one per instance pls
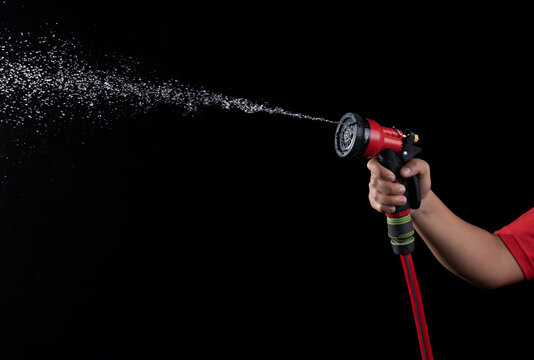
(394, 162)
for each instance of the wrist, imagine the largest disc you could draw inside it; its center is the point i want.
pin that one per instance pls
(424, 208)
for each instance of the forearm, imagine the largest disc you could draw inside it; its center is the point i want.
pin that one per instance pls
(467, 250)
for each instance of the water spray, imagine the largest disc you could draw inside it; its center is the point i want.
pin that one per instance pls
(45, 77)
(357, 137)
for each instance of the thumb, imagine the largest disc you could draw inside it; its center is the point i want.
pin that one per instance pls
(414, 167)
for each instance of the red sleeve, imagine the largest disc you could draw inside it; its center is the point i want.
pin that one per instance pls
(519, 239)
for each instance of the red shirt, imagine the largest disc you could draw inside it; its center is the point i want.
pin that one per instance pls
(519, 238)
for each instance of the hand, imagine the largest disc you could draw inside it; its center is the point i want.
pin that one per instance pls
(385, 194)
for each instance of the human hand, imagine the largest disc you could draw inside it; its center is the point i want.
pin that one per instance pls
(385, 193)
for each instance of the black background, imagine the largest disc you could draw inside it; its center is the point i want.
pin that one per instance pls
(128, 235)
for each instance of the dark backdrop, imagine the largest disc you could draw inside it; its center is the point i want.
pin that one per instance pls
(219, 219)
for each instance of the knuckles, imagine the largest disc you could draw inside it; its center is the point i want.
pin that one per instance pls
(374, 182)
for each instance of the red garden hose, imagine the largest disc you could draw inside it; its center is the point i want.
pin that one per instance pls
(417, 306)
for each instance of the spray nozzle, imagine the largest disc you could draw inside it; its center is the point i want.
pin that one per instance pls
(359, 137)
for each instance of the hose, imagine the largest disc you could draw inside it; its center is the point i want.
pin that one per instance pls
(417, 306)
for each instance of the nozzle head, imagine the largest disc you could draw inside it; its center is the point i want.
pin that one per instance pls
(352, 136)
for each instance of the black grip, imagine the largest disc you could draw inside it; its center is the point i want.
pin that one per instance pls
(392, 161)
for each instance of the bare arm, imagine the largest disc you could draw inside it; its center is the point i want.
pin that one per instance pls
(468, 251)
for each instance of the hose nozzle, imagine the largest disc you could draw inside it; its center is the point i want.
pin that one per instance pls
(365, 138)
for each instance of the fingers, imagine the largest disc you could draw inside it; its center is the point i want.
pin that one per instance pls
(384, 196)
(374, 166)
(384, 192)
(385, 187)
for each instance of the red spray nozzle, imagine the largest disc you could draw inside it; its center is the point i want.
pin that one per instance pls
(359, 137)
